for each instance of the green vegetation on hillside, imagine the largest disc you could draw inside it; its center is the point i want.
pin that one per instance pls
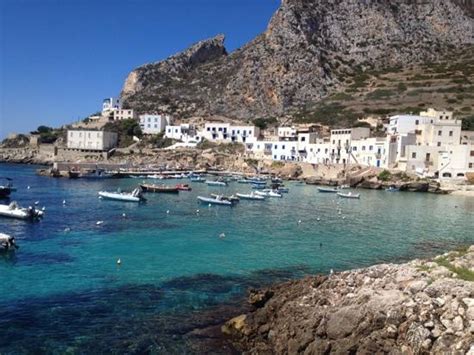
(125, 129)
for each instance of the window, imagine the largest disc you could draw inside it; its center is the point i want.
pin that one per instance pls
(156, 119)
(413, 155)
(208, 129)
(169, 130)
(233, 132)
(149, 119)
(334, 141)
(275, 157)
(354, 149)
(450, 133)
(439, 144)
(156, 126)
(363, 147)
(440, 133)
(417, 122)
(471, 165)
(371, 147)
(303, 139)
(283, 147)
(148, 125)
(275, 147)
(220, 129)
(472, 153)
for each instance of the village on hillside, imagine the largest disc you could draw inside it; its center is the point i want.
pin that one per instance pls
(430, 144)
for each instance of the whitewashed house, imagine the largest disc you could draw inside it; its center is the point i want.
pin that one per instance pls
(185, 133)
(227, 133)
(154, 124)
(91, 140)
(111, 104)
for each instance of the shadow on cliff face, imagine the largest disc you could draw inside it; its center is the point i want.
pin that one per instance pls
(182, 315)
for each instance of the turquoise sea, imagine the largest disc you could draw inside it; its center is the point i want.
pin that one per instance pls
(63, 290)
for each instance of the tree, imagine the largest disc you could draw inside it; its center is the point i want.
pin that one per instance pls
(44, 129)
(468, 123)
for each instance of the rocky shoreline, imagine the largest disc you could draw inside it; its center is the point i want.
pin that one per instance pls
(420, 307)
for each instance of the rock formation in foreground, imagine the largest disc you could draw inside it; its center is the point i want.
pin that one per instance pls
(414, 308)
(308, 50)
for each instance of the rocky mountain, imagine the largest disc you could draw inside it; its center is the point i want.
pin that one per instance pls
(307, 52)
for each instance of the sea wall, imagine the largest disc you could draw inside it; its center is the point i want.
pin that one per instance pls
(424, 306)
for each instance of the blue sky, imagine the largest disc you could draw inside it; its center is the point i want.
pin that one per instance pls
(60, 58)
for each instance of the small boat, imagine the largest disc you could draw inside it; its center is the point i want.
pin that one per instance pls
(159, 188)
(215, 201)
(282, 190)
(95, 174)
(348, 195)
(197, 179)
(13, 210)
(73, 174)
(134, 196)
(230, 198)
(251, 196)
(258, 182)
(277, 180)
(5, 190)
(7, 242)
(267, 193)
(392, 189)
(178, 176)
(9, 184)
(344, 187)
(244, 181)
(258, 187)
(328, 190)
(183, 187)
(215, 183)
(156, 177)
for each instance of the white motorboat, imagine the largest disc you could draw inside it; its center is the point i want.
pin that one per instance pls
(328, 190)
(215, 201)
(267, 193)
(134, 196)
(7, 242)
(250, 196)
(348, 195)
(13, 210)
(215, 183)
(155, 176)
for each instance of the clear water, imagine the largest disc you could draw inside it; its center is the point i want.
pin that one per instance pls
(63, 290)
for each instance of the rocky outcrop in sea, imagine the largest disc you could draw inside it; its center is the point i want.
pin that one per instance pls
(308, 51)
(421, 307)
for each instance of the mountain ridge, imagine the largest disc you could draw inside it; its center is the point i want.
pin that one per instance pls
(307, 50)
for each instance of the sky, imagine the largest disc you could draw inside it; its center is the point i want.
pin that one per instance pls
(60, 58)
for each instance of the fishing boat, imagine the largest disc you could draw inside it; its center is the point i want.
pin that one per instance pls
(250, 196)
(268, 193)
(348, 195)
(328, 190)
(230, 198)
(215, 201)
(215, 183)
(392, 189)
(7, 243)
(134, 196)
(159, 188)
(183, 187)
(13, 210)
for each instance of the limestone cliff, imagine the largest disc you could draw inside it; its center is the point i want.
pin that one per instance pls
(308, 49)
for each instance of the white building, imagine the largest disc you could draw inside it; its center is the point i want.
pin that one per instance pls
(341, 143)
(120, 114)
(224, 132)
(185, 133)
(91, 140)
(111, 104)
(154, 124)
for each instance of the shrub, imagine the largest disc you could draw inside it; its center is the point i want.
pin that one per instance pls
(385, 175)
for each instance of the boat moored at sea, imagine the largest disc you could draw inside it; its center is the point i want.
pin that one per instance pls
(215, 201)
(392, 189)
(183, 187)
(268, 193)
(13, 210)
(134, 196)
(6, 189)
(197, 179)
(331, 190)
(231, 198)
(348, 195)
(250, 196)
(216, 183)
(7, 243)
(159, 188)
